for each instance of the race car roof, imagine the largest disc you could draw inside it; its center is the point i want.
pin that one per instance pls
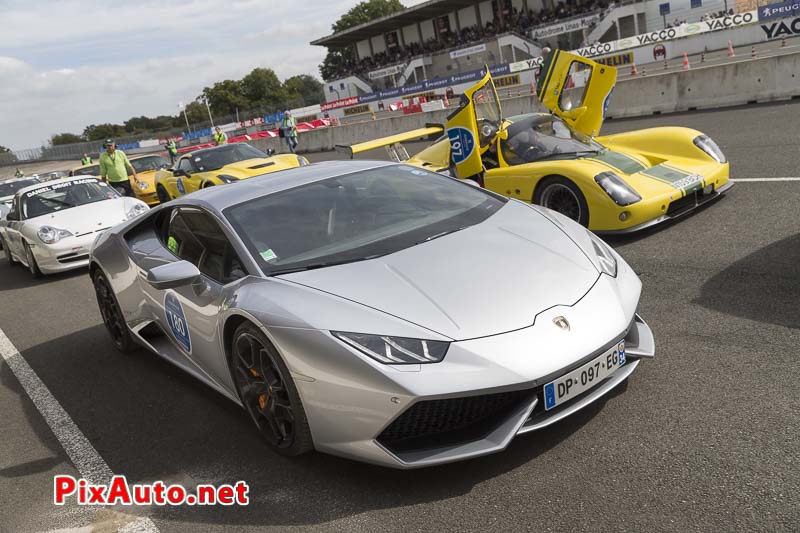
(219, 198)
(419, 13)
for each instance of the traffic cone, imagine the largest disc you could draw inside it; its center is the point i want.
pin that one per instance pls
(634, 72)
(753, 53)
(644, 71)
(730, 50)
(666, 65)
(703, 56)
(783, 42)
(686, 65)
(533, 88)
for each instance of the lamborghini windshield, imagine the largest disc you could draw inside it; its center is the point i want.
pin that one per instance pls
(539, 137)
(216, 158)
(356, 216)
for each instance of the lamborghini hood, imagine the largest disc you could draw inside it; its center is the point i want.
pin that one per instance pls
(490, 278)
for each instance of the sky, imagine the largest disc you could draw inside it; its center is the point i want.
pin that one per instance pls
(65, 64)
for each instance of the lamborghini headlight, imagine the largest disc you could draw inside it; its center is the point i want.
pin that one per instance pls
(395, 350)
(617, 189)
(605, 256)
(226, 178)
(302, 161)
(706, 144)
(51, 235)
(136, 210)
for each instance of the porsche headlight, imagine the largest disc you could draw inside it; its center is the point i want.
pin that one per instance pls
(226, 178)
(136, 210)
(143, 185)
(605, 257)
(617, 189)
(395, 350)
(302, 161)
(706, 144)
(51, 235)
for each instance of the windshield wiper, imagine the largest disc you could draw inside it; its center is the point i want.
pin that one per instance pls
(321, 264)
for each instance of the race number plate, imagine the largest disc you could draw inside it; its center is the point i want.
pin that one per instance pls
(584, 378)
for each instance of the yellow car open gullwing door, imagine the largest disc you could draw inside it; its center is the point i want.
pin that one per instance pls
(473, 126)
(576, 89)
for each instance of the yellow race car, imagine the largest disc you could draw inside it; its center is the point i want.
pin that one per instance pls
(146, 168)
(615, 183)
(228, 163)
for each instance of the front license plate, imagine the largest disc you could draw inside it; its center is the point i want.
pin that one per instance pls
(584, 378)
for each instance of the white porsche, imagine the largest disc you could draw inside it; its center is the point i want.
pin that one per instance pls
(51, 226)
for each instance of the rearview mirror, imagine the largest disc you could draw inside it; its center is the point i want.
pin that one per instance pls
(12, 215)
(173, 275)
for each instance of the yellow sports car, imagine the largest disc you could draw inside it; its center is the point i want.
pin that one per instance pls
(146, 167)
(86, 170)
(615, 183)
(228, 163)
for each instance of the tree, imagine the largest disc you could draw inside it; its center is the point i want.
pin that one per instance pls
(196, 113)
(7, 156)
(303, 90)
(65, 138)
(101, 132)
(366, 11)
(263, 89)
(225, 97)
(147, 124)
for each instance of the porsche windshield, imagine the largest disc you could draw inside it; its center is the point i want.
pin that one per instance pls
(538, 137)
(356, 216)
(216, 158)
(64, 195)
(153, 162)
(9, 188)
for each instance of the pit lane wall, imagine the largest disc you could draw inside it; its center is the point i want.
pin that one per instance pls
(739, 82)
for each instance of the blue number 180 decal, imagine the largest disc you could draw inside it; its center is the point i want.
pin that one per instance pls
(177, 321)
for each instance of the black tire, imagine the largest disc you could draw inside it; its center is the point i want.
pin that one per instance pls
(562, 195)
(268, 393)
(208, 184)
(7, 252)
(163, 195)
(112, 314)
(32, 266)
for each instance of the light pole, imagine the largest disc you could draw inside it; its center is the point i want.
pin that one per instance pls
(182, 107)
(209, 112)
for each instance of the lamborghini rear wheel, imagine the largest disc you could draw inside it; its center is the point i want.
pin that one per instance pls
(562, 195)
(112, 314)
(268, 393)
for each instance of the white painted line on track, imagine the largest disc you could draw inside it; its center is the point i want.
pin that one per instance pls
(83, 455)
(754, 180)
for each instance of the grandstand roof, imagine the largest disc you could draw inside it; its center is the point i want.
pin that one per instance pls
(419, 13)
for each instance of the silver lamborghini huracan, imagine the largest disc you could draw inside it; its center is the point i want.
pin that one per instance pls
(376, 310)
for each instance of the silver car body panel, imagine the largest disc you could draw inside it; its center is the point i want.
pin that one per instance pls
(492, 289)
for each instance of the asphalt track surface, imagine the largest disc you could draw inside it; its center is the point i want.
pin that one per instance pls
(703, 438)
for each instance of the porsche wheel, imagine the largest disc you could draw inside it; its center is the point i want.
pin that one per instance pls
(112, 314)
(32, 266)
(268, 393)
(563, 196)
(163, 195)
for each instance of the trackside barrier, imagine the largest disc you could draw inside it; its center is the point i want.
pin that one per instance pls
(736, 83)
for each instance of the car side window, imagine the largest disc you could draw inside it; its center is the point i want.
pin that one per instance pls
(185, 164)
(574, 89)
(194, 235)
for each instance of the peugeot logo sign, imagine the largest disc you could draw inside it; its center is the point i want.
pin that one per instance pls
(561, 322)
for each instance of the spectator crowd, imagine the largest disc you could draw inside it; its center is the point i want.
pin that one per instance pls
(512, 20)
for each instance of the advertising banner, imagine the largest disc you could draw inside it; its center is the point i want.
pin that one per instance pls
(782, 28)
(385, 72)
(477, 49)
(336, 104)
(779, 10)
(564, 27)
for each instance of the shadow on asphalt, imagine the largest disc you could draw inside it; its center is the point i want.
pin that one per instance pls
(739, 289)
(150, 421)
(17, 276)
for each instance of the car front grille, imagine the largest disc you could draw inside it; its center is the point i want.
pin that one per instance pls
(450, 421)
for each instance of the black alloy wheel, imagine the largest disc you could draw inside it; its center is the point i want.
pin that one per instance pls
(163, 195)
(268, 392)
(112, 314)
(32, 266)
(563, 196)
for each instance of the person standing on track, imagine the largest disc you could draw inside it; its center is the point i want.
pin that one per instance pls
(172, 150)
(86, 160)
(114, 167)
(18, 173)
(289, 130)
(220, 137)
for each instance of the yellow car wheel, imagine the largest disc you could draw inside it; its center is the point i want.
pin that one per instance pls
(562, 195)
(163, 195)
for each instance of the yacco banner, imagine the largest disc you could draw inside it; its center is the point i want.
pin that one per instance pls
(564, 27)
(477, 49)
(526, 64)
(782, 28)
(779, 10)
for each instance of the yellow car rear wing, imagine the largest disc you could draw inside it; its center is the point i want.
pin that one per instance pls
(432, 131)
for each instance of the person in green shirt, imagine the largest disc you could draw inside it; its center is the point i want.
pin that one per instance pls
(172, 150)
(289, 131)
(220, 137)
(86, 160)
(18, 173)
(114, 167)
